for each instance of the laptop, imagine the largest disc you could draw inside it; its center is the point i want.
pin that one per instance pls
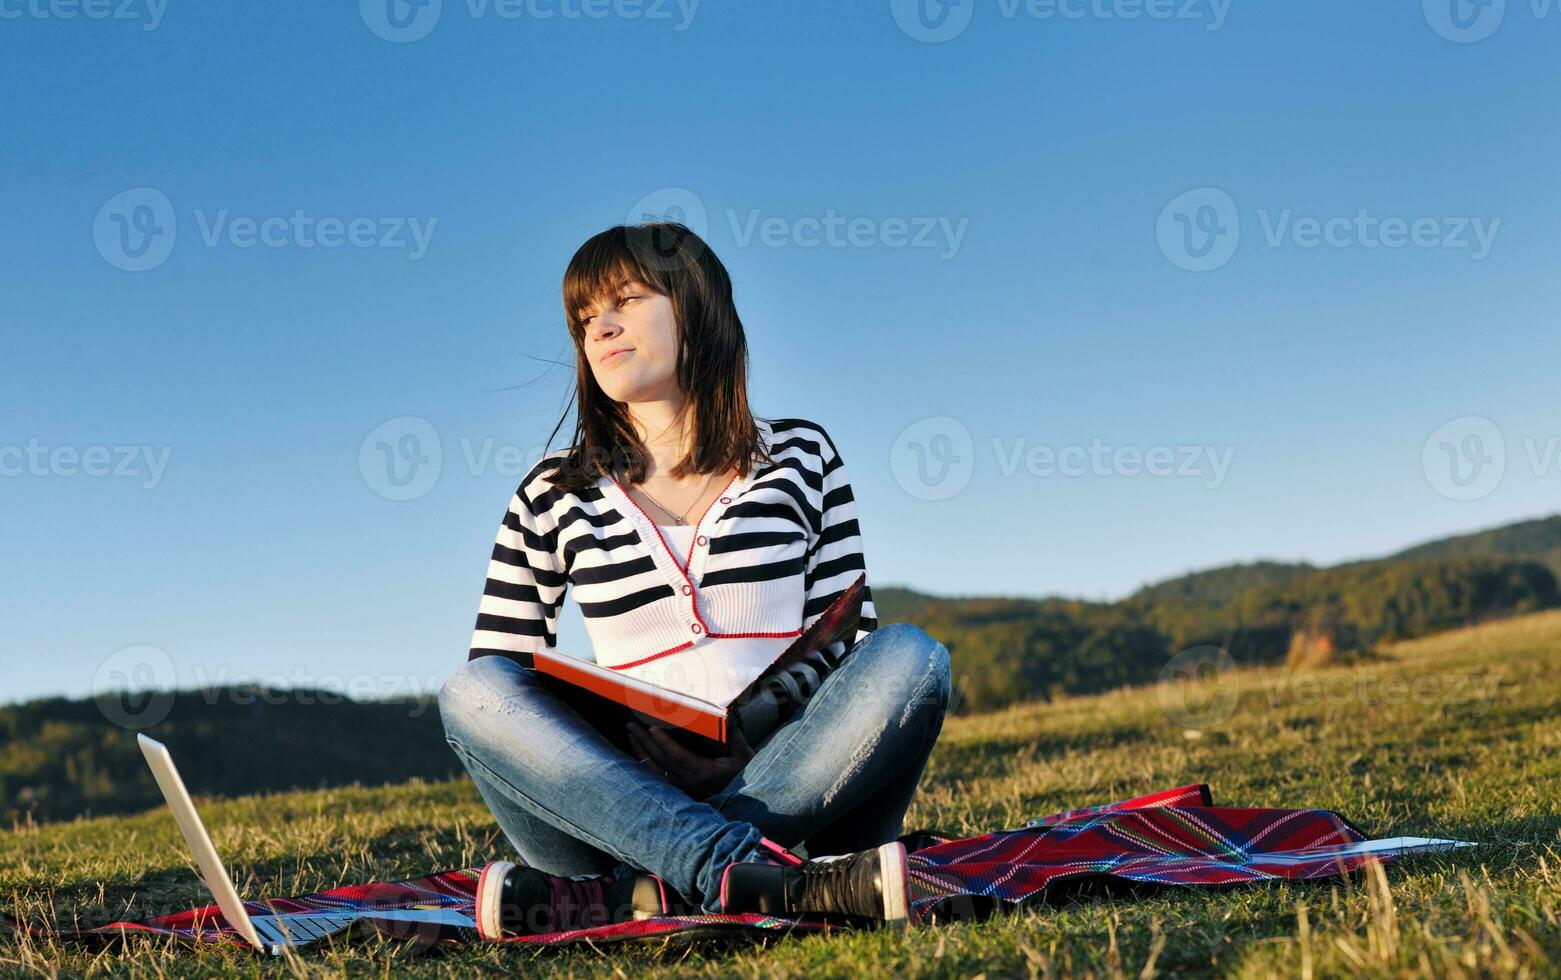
(267, 933)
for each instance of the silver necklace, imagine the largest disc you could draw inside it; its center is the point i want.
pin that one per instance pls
(678, 518)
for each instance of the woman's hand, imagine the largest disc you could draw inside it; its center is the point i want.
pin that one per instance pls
(695, 774)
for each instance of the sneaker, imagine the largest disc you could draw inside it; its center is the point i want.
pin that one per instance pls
(514, 900)
(868, 886)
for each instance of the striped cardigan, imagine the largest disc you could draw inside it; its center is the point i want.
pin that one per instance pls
(769, 555)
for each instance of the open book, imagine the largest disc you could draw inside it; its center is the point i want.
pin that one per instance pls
(711, 720)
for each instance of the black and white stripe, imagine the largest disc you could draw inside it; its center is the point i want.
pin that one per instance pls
(781, 544)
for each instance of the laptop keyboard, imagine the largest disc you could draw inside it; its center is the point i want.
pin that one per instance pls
(301, 928)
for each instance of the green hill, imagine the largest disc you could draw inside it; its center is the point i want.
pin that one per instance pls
(1537, 540)
(1450, 735)
(1222, 584)
(62, 757)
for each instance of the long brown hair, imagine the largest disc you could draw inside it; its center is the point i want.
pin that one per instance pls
(712, 367)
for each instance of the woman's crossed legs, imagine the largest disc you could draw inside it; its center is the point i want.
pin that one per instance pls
(836, 777)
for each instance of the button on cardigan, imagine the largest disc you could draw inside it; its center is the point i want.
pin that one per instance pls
(768, 556)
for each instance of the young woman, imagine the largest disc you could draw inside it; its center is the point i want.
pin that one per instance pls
(699, 541)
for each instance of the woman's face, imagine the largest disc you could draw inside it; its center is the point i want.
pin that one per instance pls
(642, 322)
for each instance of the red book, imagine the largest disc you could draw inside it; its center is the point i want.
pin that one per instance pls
(712, 721)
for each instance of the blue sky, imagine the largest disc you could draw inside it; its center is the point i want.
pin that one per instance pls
(240, 239)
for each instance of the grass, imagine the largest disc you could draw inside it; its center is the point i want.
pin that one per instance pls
(1454, 735)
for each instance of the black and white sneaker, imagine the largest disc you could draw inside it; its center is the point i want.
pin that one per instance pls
(514, 900)
(868, 886)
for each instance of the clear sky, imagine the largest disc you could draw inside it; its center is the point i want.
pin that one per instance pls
(241, 241)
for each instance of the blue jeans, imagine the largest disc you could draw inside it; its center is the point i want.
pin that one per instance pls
(836, 777)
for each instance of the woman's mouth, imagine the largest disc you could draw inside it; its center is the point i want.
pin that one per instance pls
(617, 354)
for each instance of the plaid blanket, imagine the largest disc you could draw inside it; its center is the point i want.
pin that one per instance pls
(1174, 837)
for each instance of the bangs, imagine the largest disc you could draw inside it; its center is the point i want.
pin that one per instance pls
(601, 267)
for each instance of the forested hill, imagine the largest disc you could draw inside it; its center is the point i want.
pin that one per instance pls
(1012, 649)
(1537, 540)
(61, 758)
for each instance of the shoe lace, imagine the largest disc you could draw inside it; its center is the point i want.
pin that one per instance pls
(829, 886)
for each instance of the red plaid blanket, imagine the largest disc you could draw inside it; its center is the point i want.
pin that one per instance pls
(1175, 837)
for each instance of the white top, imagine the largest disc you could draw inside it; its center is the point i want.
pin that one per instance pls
(701, 608)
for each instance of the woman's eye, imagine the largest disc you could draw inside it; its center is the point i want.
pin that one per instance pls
(627, 299)
(586, 322)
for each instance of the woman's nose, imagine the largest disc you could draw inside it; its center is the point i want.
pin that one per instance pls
(604, 326)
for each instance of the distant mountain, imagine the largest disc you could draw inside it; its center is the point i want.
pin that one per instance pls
(61, 757)
(1010, 649)
(1222, 584)
(1537, 540)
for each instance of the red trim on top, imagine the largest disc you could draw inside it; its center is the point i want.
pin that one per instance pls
(714, 636)
(655, 656)
(693, 590)
(741, 636)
